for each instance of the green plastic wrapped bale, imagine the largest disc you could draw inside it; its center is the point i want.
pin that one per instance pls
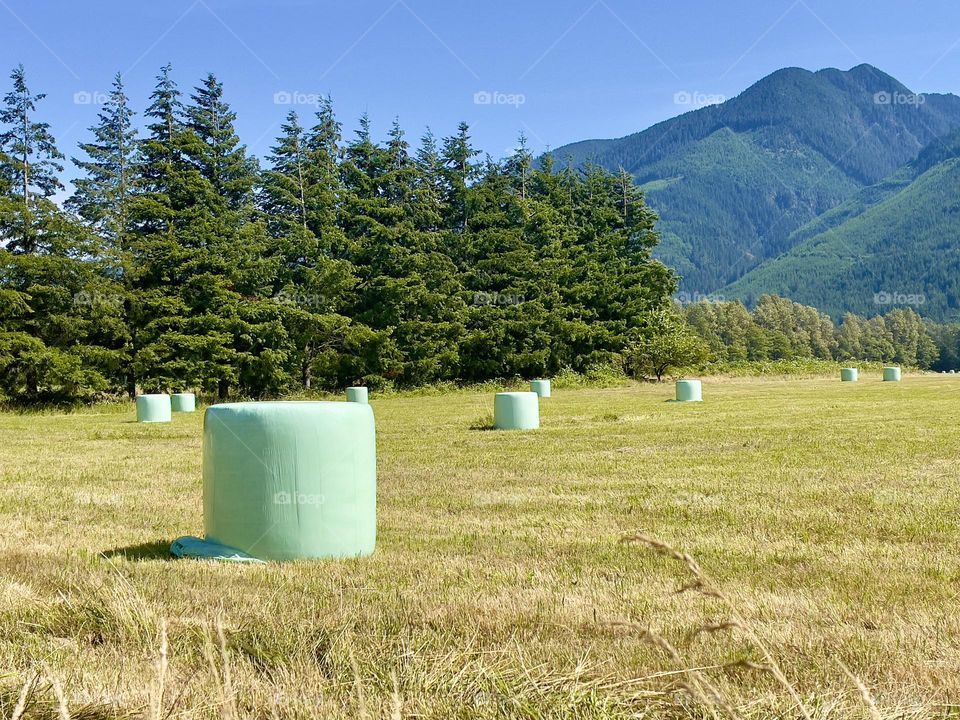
(290, 480)
(153, 408)
(689, 391)
(849, 374)
(891, 374)
(183, 402)
(516, 411)
(357, 395)
(540, 387)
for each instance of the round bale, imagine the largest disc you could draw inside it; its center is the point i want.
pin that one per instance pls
(153, 408)
(849, 374)
(540, 387)
(183, 402)
(290, 480)
(516, 411)
(891, 374)
(357, 395)
(689, 391)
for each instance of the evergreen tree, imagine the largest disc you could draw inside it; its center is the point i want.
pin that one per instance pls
(103, 195)
(61, 324)
(31, 166)
(220, 157)
(458, 172)
(300, 194)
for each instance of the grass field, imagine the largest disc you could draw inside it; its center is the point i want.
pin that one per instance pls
(825, 514)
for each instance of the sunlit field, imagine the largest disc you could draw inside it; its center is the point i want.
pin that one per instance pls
(821, 521)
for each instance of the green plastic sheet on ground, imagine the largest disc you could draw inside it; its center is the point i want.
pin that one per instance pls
(153, 408)
(194, 547)
(290, 480)
(516, 411)
(689, 391)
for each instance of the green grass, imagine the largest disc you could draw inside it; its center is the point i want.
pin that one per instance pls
(825, 513)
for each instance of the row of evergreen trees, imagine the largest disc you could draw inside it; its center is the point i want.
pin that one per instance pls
(180, 263)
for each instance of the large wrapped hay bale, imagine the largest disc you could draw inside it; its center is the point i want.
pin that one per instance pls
(289, 480)
(516, 411)
(153, 408)
(891, 374)
(849, 375)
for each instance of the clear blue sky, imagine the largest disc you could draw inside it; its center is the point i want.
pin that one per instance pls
(565, 70)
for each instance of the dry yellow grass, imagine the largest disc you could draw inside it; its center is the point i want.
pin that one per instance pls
(825, 516)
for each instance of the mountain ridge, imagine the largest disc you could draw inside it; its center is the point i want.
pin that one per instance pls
(733, 181)
(891, 244)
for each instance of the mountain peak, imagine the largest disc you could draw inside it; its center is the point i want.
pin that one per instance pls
(732, 181)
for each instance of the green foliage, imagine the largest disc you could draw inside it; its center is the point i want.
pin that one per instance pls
(780, 330)
(188, 267)
(341, 262)
(29, 167)
(666, 342)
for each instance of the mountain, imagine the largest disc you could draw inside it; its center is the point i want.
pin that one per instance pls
(733, 181)
(896, 243)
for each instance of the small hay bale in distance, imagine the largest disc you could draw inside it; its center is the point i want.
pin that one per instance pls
(153, 408)
(183, 402)
(891, 374)
(540, 387)
(849, 375)
(357, 395)
(689, 391)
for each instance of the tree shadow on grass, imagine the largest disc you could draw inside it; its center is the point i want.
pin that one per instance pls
(156, 550)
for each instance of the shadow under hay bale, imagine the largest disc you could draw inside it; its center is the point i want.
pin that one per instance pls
(156, 550)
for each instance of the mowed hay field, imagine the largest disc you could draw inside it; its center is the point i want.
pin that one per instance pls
(825, 514)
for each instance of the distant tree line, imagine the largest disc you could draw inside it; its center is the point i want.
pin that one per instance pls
(778, 329)
(181, 262)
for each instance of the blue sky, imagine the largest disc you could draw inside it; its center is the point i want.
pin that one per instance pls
(558, 71)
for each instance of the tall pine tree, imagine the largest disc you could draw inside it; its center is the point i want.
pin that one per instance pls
(31, 160)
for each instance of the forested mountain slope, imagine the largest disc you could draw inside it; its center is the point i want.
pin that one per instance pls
(895, 243)
(733, 181)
